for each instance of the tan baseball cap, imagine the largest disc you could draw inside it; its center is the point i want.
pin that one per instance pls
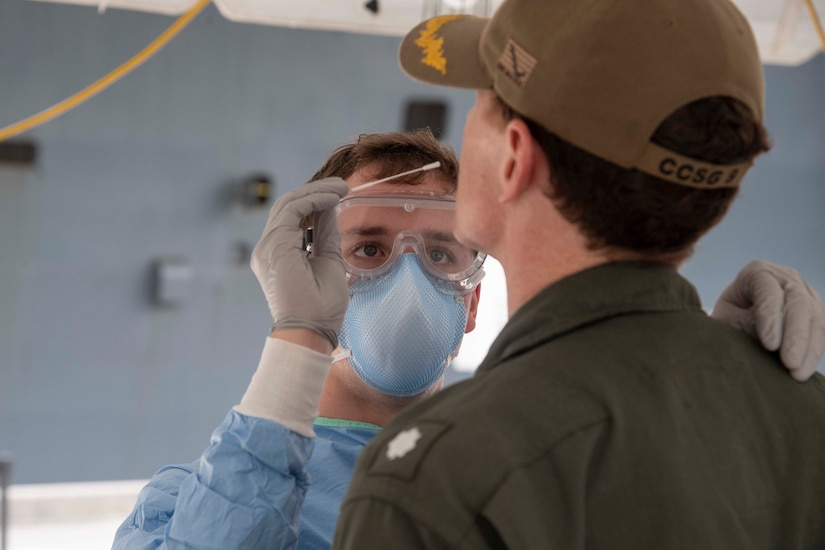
(601, 74)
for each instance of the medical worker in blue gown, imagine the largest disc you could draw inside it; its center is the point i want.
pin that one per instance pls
(365, 324)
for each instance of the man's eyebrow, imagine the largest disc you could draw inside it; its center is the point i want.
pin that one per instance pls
(370, 230)
(382, 230)
(442, 236)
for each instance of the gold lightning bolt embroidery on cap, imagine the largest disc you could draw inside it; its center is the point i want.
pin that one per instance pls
(432, 45)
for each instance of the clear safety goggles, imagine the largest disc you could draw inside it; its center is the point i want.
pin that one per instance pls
(377, 229)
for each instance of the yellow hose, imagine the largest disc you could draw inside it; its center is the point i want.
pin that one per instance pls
(73, 101)
(817, 22)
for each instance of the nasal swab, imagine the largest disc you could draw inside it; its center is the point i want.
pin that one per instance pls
(424, 168)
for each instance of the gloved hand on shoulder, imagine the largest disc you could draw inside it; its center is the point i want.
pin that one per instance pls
(776, 305)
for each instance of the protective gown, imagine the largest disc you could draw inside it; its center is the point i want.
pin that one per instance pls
(258, 485)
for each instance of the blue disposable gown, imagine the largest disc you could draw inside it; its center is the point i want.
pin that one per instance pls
(258, 485)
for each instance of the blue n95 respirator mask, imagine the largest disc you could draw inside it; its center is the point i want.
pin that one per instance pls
(401, 330)
(407, 278)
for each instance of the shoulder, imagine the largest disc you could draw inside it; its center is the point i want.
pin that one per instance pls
(498, 413)
(464, 443)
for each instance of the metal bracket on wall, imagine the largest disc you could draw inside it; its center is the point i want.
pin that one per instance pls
(172, 279)
(18, 153)
(5, 477)
(255, 190)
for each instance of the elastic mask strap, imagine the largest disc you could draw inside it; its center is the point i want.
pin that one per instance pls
(344, 354)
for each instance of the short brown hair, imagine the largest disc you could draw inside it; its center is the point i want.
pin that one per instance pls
(627, 210)
(393, 153)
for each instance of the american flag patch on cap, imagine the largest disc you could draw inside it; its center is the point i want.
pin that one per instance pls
(516, 63)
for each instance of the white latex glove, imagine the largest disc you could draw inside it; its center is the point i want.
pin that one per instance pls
(775, 304)
(304, 291)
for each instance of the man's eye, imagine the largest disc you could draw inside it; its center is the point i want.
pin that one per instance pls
(439, 255)
(367, 250)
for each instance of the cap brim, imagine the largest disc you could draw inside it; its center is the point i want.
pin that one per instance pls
(444, 50)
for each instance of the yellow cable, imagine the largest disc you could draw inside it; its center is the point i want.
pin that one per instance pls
(817, 22)
(78, 98)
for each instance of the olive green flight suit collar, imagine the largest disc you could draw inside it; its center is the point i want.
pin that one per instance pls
(589, 296)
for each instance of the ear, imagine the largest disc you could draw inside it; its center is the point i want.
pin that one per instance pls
(472, 308)
(518, 172)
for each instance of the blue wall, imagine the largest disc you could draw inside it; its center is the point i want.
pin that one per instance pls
(780, 213)
(95, 382)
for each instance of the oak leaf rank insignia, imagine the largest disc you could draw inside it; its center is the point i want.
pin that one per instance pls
(403, 443)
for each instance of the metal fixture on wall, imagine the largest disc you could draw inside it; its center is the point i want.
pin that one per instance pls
(6, 463)
(241, 253)
(430, 114)
(18, 153)
(171, 283)
(254, 191)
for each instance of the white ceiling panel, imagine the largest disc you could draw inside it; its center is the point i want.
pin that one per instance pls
(784, 29)
(392, 17)
(167, 7)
